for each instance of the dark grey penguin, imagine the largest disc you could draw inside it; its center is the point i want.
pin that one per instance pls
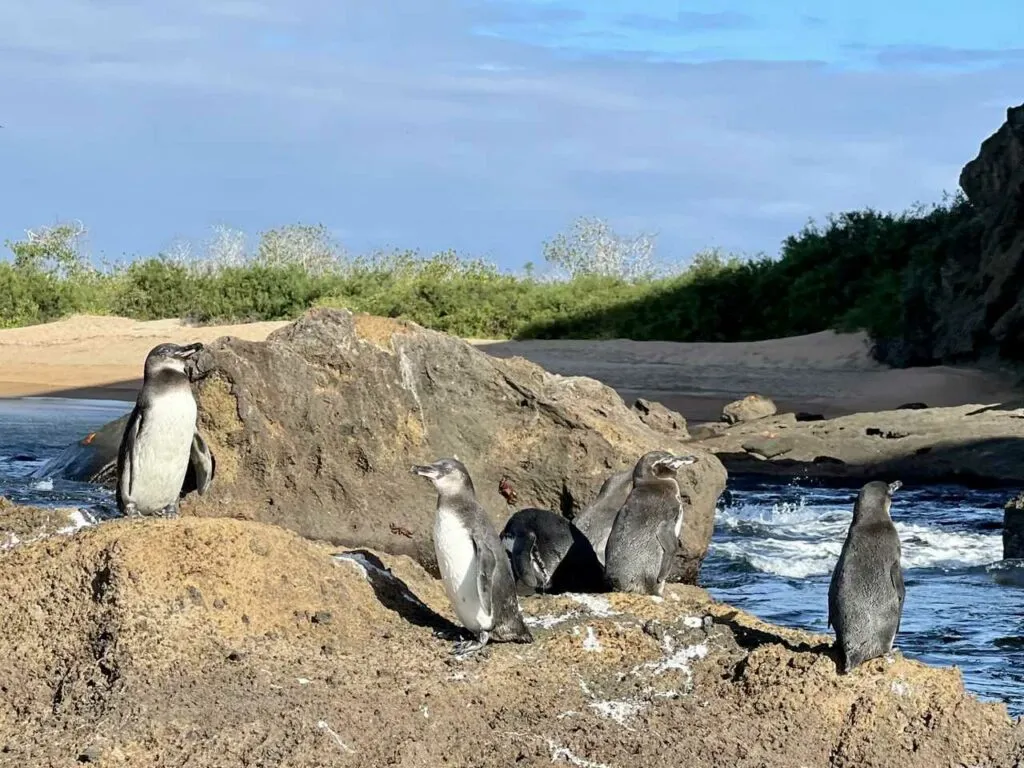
(474, 568)
(160, 440)
(865, 596)
(645, 535)
(548, 554)
(595, 522)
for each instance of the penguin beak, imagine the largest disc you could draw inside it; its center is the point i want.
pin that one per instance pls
(187, 351)
(894, 486)
(429, 471)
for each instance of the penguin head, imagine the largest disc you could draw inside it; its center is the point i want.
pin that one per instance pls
(170, 357)
(449, 476)
(660, 464)
(875, 498)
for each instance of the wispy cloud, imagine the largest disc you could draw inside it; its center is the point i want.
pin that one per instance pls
(402, 123)
(688, 21)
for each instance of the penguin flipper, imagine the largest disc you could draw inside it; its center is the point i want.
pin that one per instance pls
(126, 458)
(486, 563)
(669, 546)
(203, 463)
(896, 573)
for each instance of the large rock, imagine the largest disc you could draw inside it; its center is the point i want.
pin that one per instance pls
(216, 643)
(970, 444)
(749, 408)
(994, 183)
(316, 429)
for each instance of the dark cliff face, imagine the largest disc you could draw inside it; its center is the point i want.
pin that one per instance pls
(961, 293)
(994, 183)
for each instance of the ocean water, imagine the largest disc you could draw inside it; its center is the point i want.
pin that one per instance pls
(772, 554)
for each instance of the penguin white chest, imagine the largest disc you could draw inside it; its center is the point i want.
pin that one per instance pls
(460, 570)
(162, 448)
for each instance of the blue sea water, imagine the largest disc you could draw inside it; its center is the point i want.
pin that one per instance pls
(772, 553)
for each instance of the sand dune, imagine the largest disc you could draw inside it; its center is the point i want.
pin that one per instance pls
(828, 373)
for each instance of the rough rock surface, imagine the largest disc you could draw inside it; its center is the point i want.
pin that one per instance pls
(214, 643)
(316, 428)
(750, 408)
(994, 183)
(1013, 528)
(661, 419)
(21, 524)
(971, 444)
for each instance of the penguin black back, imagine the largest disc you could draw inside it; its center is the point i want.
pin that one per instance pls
(866, 592)
(549, 554)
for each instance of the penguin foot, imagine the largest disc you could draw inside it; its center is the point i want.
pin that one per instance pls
(469, 647)
(171, 510)
(130, 510)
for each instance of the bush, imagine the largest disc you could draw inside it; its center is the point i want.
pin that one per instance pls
(861, 270)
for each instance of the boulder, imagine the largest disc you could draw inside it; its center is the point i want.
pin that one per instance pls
(316, 429)
(979, 445)
(750, 408)
(217, 642)
(1013, 528)
(661, 419)
(22, 524)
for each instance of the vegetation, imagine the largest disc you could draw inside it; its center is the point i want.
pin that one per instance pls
(861, 269)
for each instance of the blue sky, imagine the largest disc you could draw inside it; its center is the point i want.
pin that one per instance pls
(488, 126)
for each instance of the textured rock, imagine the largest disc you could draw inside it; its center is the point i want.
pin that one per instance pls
(20, 524)
(195, 642)
(1013, 528)
(971, 444)
(661, 419)
(994, 183)
(316, 428)
(750, 408)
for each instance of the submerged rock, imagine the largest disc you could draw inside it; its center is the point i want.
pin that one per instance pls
(316, 428)
(166, 642)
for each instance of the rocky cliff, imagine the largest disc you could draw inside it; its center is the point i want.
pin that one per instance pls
(216, 642)
(316, 429)
(970, 302)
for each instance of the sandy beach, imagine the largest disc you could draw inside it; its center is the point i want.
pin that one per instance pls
(827, 373)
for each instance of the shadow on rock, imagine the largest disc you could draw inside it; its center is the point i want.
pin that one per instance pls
(749, 638)
(394, 594)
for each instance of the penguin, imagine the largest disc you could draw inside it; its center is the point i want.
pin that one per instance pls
(645, 535)
(160, 440)
(548, 554)
(595, 522)
(475, 570)
(865, 596)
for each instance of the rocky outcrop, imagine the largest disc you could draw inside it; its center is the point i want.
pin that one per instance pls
(971, 444)
(661, 419)
(994, 183)
(1013, 528)
(215, 642)
(967, 299)
(316, 429)
(750, 408)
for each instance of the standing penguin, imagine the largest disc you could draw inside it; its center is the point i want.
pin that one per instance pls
(548, 554)
(645, 535)
(474, 568)
(595, 522)
(865, 597)
(160, 440)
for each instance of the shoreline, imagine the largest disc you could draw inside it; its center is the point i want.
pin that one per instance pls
(826, 373)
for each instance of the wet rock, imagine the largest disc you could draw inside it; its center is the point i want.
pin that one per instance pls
(1013, 528)
(611, 679)
(750, 408)
(316, 428)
